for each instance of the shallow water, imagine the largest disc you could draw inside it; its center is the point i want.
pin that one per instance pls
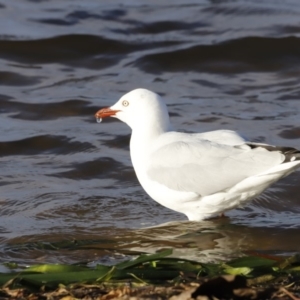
(68, 191)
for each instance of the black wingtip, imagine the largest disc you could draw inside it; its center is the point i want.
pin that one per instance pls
(291, 154)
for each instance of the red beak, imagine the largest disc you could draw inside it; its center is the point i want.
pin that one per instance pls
(105, 112)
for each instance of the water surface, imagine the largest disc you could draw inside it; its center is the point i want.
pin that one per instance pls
(68, 191)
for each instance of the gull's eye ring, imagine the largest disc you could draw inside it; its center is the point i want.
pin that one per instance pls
(125, 103)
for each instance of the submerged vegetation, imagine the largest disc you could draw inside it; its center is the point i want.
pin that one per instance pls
(158, 276)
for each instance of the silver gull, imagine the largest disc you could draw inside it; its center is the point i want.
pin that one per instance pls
(200, 175)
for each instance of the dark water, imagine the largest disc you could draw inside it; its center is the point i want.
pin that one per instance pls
(68, 192)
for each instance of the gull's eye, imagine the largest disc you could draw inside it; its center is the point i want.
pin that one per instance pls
(125, 103)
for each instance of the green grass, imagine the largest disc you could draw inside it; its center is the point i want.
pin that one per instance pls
(157, 268)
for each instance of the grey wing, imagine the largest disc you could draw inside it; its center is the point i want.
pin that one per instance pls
(205, 167)
(225, 137)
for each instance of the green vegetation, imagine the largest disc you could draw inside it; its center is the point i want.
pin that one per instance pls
(156, 269)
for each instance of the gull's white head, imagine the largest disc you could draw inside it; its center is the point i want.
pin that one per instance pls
(139, 109)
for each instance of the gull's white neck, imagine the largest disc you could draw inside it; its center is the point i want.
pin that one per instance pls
(143, 139)
(141, 144)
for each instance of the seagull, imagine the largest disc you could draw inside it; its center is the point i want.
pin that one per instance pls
(201, 175)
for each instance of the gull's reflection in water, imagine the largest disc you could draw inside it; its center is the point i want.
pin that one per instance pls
(216, 239)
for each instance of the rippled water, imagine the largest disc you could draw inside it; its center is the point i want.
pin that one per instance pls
(68, 191)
